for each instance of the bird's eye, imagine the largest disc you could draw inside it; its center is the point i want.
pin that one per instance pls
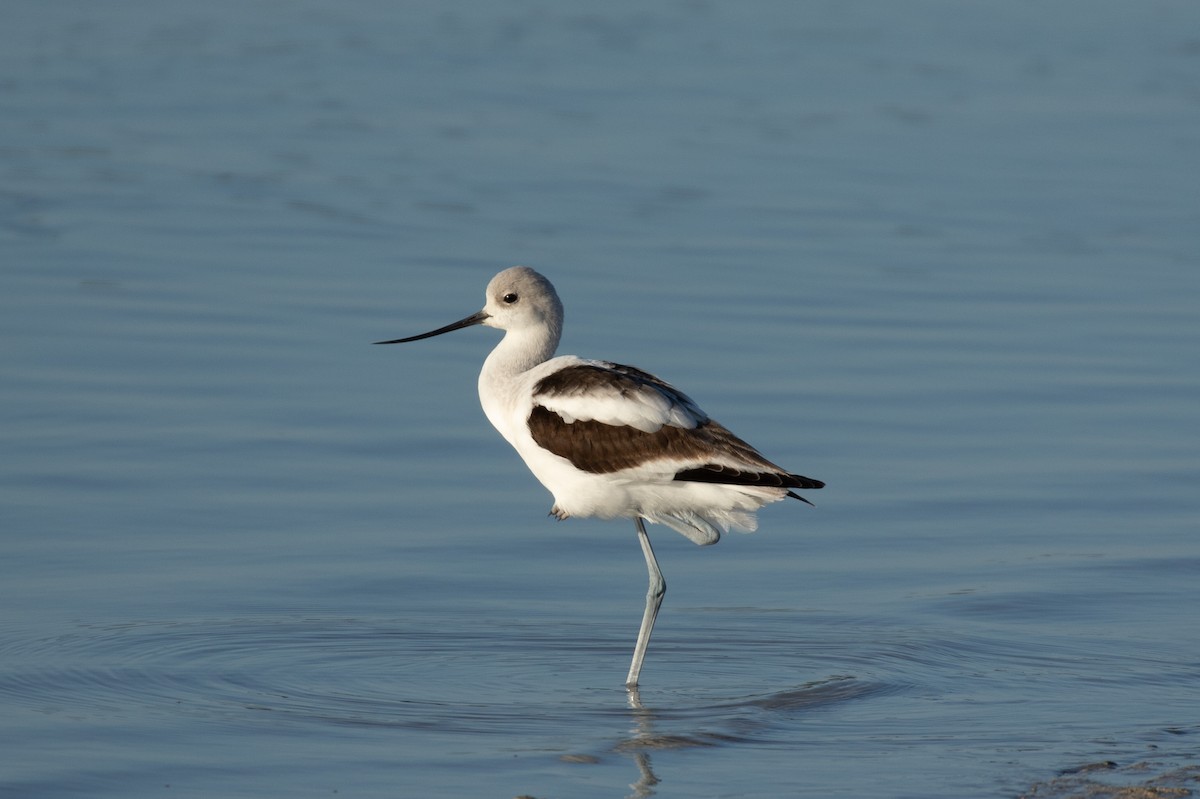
(509, 298)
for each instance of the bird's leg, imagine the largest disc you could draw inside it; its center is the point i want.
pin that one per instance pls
(654, 598)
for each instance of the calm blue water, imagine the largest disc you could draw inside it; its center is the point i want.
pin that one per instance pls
(944, 256)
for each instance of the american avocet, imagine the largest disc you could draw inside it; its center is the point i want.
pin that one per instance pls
(613, 441)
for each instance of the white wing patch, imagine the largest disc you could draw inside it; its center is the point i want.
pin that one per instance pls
(616, 395)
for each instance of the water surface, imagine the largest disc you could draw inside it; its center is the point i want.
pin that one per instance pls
(943, 257)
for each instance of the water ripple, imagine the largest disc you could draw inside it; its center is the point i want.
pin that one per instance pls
(479, 678)
(354, 672)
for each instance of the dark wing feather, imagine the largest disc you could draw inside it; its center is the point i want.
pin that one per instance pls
(601, 448)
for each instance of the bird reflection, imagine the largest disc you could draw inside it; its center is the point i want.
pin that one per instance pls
(643, 731)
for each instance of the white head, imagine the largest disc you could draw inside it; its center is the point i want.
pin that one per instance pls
(519, 301)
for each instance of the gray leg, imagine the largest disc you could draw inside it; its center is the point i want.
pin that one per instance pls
(654, 598)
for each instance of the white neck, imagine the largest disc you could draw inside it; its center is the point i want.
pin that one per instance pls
(517, 353)
(521, 350)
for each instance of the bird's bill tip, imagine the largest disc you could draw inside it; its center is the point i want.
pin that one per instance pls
(473, 319)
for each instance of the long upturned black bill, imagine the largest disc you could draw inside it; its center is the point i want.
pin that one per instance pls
(473, 319)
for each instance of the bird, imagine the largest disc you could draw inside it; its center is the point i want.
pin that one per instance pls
(612, 441)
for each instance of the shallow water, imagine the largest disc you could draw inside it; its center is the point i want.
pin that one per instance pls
(943, 257)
